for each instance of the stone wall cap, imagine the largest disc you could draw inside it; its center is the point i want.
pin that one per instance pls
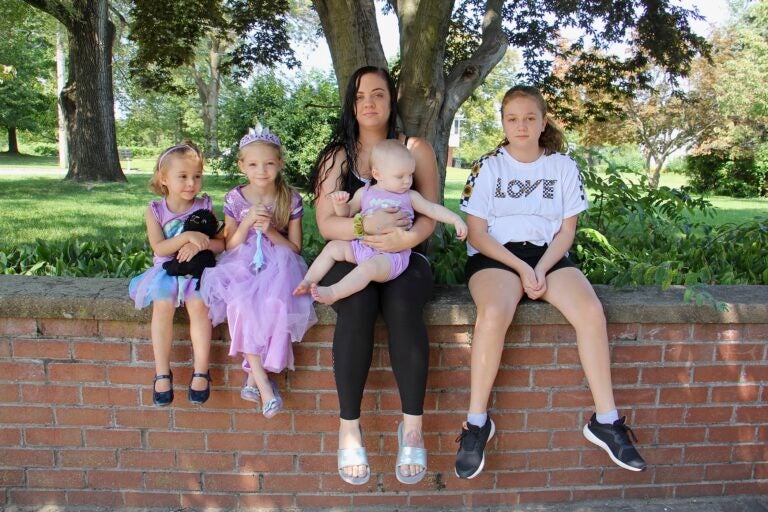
(107, 299)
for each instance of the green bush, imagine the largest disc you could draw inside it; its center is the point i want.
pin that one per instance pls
(718, 172)
(46, 149)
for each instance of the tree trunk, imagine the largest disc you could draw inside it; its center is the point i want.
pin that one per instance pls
(60, 82)
(13, 142)
(208, 93)
(428, 99)
(87, 99)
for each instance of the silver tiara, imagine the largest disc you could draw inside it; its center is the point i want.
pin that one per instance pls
(259, 133)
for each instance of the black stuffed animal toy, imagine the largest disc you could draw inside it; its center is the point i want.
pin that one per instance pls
(204, 221)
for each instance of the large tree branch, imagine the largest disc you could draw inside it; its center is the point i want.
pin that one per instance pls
(57, 9)
(467, 75)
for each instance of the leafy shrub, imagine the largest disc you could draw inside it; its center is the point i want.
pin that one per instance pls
(720, 173)
(46, 149)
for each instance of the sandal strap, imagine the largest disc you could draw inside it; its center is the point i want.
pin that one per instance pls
(161, 377)
(356, 456)
(206, 375)
(408, 455)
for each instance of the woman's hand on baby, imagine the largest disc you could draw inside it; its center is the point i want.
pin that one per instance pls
(390, 240)
(379, 221)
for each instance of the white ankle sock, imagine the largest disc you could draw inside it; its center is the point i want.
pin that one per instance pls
(607, 418)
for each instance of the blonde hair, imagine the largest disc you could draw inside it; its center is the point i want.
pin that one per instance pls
(282, 212)
(186, 148)
(552, 138)
(389, 154)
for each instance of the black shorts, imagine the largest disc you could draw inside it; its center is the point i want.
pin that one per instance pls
(526, 251)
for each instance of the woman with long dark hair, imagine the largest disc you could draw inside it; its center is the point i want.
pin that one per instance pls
(369, 115)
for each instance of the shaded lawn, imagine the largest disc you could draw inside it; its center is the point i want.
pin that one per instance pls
(53, 209)
(24, 161)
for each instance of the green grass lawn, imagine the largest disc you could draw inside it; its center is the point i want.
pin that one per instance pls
(24, 161)
(50, 208)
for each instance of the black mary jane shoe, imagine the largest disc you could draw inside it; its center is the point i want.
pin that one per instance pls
(162, 398)
(200, 397)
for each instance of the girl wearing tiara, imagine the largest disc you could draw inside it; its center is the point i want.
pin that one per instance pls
(251, 284)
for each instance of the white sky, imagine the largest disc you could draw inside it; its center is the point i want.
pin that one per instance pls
(715, 12)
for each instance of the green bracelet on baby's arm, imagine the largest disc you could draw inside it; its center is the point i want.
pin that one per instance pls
(357, 226)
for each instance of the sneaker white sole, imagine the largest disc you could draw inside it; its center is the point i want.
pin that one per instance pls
(592, 438)
(482, 462)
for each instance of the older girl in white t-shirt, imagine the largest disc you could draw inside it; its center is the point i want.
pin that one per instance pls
(522, 201)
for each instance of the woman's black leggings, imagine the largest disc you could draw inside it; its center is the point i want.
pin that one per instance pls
(401, 302)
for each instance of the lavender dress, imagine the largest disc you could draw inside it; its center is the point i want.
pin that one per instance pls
(155, 283)
(263, 315)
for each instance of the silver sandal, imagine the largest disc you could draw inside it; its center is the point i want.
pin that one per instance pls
(408, 455)
(356, 456)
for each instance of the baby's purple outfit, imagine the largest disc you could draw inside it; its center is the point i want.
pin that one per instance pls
(263, 315)
(375, 198)
(155, 283)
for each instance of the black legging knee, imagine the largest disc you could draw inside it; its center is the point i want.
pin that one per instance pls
(401, 302)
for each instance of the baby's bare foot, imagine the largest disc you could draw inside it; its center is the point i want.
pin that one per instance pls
(303, 287)
(322, 294)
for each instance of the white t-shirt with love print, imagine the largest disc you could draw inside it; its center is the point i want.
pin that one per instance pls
(523, 202)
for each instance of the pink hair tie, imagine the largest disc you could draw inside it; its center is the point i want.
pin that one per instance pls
(171, 150)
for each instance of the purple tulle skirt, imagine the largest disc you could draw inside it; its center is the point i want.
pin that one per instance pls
(263, 315)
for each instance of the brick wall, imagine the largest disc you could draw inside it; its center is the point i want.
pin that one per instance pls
(77, 425)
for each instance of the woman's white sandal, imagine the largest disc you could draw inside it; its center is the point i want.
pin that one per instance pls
(408, 455)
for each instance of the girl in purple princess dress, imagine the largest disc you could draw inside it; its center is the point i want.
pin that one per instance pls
(251, 284)
(178, 177)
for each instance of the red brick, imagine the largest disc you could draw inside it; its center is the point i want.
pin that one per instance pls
(449, 334)
(143, 418)
(682, 435)
(131, 375)
(520, 400)
(56, 478)
(203, 501)
(10, 436)
(297, 443)
(708, 453)
(83, 416)
(176, 440)
(112, 438)
(305, 356)
(152, 499)
(264, 463)
(635, 397)
(519, 480)
(506, 378)
(552, 333)
(709, 415)
(26, 457)
(312, 463)
(732, 434)
(102, 351)
(575, 477)
(754, 415)
(683, 395)
(11, 477)
(743, 488)
(76, 372)
(242, 482)
(758, 374)
(9, 393)
(552, 420)
(76, 328)
(199, 419)
(286, 483)
(206, 462)
(111, 396)
(118, 329)
(517, 334)
(265, 501)
(319, 333)
(37, 497)
(83, 458)
(636, 354)
(740, 352)
(110, 499)
(596, 494)
(698, 489)
(454, 357)
(172, 480)
(622, 332)
(718, 472)
(21, 372)
(560, 439)
(666, 375)
(647, 492)
(235, 441)
(319, 502)
(658, 416)
(688, 352)
(42, 349)
(53, 436)
(18, 326)
(141, 459)
(11, 414)
(527, 356)
(677, 474)
(110, 479)
(756, 332)
(724, 373)
(625, 375)
(717, 332)
(539, 496)
(664, 332)
(50, 394)
(744, 393)
(567, 355)
(304, 423)
(436, 501)
(312, 380)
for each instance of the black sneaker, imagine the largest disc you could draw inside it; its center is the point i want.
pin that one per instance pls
(470, 458)
(615, 441)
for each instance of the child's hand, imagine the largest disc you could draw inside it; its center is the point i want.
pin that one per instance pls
(199, 240)
(461, 229)
(540, 289)
(187, 252)
(263, 218)
(339, 197)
